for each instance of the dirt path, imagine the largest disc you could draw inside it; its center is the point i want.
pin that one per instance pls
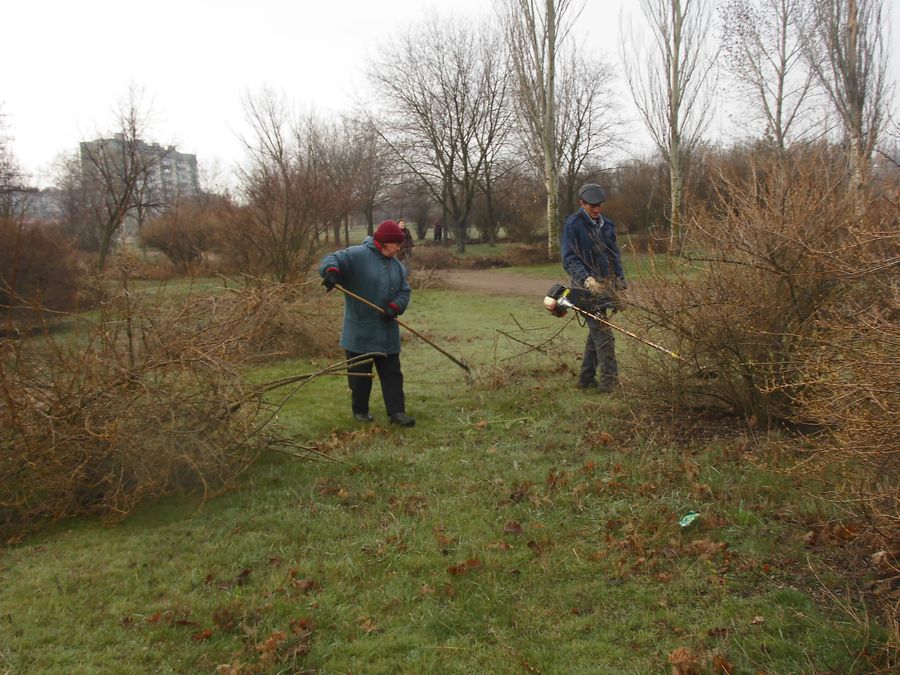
(497, 282)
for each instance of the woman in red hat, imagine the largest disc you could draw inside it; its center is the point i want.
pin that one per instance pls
(371, 270)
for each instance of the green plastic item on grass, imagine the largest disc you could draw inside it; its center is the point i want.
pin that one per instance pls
(688, 518)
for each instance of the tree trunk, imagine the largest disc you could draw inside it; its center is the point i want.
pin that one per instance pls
(857, 178)
(676, 166)
(105, 240)
(856, 97)
(551, 169)
(460, 228)
(676, 190)
(492, 221)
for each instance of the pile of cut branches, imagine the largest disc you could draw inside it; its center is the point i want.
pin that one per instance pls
(147, 399)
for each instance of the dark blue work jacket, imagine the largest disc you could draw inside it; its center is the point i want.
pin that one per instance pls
(589, 249)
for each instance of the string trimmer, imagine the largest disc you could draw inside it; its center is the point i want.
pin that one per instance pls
(561, 298)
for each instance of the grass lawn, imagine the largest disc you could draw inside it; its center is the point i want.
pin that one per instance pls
(635, 266)
(521, 526)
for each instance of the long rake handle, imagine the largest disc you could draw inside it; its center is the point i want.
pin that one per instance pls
(461, 364)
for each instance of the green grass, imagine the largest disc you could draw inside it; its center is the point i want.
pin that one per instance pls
(634, 267)
(180, 288)
(521, 526)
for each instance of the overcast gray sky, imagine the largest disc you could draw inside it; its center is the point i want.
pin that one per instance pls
(65, 63)
(194, 59)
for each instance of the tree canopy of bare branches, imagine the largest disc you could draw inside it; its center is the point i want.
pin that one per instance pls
(588, 121)
(373, 171)
(763, 46)
(847, 49)
(444, 86)
(10, 174)
(114, 170)
(282, 189)
(534, 35)
(670, 84)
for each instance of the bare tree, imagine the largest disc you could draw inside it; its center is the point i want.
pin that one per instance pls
(445, 92)
(111, 170)
(77, 221)
(763, 46)
(588, 122)
(533, 36)
(114, 169)
(148, 199)
(330, 157)
(492, 137)
(283, 190)
(12, 179)
(670, 85)
(373, 169)
(848, 52)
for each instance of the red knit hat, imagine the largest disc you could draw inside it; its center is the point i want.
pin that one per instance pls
(389, 232)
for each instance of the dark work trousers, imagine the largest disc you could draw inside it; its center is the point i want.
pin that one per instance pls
(390, 376)
(599, 352)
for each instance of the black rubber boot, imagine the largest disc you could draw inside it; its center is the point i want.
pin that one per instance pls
(606, 385)
(402, 419)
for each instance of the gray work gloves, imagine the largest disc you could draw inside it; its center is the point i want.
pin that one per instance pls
(611, 291)
(595, 286)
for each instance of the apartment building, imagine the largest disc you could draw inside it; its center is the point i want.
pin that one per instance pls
(167, 174)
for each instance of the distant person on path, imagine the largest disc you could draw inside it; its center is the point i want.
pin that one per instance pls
(406, 246)
(371, 270)
(438, 230)
(591, 257)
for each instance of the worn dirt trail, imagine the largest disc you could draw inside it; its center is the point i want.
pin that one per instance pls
(496, 282)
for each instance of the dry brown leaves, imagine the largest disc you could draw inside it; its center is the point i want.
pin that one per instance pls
(685, 661)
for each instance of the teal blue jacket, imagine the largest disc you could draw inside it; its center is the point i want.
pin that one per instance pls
(380, 280)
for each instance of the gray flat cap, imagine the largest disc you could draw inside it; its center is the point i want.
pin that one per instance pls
(592, 194)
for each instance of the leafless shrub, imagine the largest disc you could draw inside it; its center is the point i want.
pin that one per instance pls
(184, 234)
(523, 254)
(851, 368)
(749, 291)
(257, 320)
(236, 243)
(435, 257)
(789, 313)
(425, 277)
(638, 198)
(427, 263)
(37, 270)
(149, 400)
(140, 265)
(484, 262)
(644, 242)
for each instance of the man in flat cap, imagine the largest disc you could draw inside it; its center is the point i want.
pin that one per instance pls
(591, 257)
